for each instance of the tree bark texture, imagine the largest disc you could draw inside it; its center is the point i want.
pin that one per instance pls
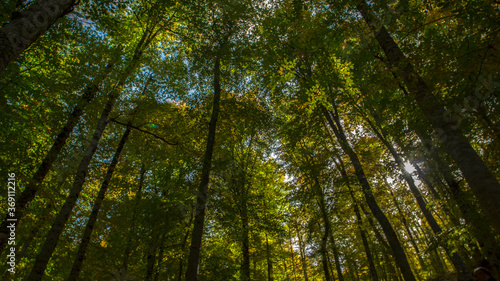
(17, 35)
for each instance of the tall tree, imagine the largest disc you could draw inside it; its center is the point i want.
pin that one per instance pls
(397, 249)
(201, 198)
(63, 216)
(77, 264)
(29, 192)
(483, 183)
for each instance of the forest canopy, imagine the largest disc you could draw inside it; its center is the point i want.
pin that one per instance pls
(249, 140)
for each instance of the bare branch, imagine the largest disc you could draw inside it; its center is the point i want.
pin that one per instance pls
(144, 131)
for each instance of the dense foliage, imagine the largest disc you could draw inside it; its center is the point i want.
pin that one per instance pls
(250, 140)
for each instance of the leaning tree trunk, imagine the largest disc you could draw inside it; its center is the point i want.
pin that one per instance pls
(201, 200)
(397, 249)
(325, 216)
(411, 238)
(29, 192)
(483, 232)
(80, 255)
(369, 257)
(328, 225)
(457, 261)
(17, 35)
(63, 215)
(81, 174)
(183, 248)
(480, 179)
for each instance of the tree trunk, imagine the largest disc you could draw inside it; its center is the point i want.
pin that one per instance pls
(457, 261)
(369, 257)
(325, 216)
(245, 267)
(481, 181)
(397, 249)
(292, 253)
(65, 212)
(391, 269)
(131, 232)
(269, 261)
(183, 246)
(336, 257)
(302, 255)
(128, 248)
(150, 257)
(17, 35)
(80, 256)
(81, 174)
(411, 238)
(201, 200)
(324, 255)
(159, 264)
(29, 192)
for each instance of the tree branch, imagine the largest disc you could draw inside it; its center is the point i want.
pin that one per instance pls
(144, 131)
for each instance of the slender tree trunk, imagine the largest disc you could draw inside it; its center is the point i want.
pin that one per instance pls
(183, 246)
(17, 35)
(457, 261)
(369, 257)
(201, 200)
(330, 267)
(336, 257)
(245, 267)
(269, 261)
(302, 255)
(397, 249)
(160, 261)
(292, 254)
(150, 258)
(80, 256)
(428, 183)
(65, 212)
(481, 181)
(131, 232)
(324, 255)
(284, 261)
(325, 216)
(29, 192)
(411, 238)
(391, 269)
